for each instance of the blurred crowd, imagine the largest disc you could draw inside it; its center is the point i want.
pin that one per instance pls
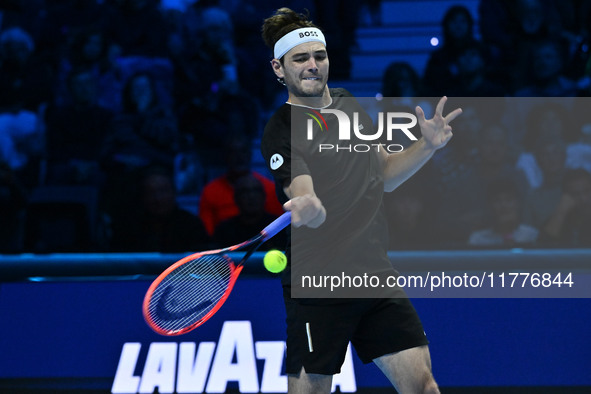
(518, 171)
(113, 111)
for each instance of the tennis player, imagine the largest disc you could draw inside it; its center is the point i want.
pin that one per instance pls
(340, 194)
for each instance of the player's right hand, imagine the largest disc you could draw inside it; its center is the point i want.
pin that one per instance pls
(306, 210)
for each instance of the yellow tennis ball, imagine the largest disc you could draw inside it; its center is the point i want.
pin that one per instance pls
(275, 261)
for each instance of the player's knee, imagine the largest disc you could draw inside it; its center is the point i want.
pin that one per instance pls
(424, 384)
(430, 386)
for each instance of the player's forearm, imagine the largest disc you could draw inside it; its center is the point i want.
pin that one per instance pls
(398, 167)
(299, 186)
(306, 208)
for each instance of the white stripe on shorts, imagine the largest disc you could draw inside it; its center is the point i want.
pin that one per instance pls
(310, 347)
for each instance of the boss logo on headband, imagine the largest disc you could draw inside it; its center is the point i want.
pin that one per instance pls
(296, 37)
(308, 34)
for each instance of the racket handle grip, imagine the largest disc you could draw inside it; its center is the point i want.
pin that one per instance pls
(277, 225)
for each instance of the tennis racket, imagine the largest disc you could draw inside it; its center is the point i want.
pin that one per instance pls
(193, 289)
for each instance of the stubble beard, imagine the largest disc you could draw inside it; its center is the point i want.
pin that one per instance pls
(299, 91)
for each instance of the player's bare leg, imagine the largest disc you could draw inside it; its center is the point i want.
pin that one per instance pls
(409, 371)
(304, 383)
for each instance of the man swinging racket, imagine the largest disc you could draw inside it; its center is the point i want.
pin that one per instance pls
(335, 199)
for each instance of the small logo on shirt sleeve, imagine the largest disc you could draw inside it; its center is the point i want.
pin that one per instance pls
(276, 161)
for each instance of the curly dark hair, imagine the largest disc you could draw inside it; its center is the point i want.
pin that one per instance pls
(282, 22)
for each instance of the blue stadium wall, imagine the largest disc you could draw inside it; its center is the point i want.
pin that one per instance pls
(73, 323)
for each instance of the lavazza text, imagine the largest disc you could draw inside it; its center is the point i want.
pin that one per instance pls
(209, 367)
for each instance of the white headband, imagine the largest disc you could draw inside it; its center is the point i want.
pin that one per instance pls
(297, 37)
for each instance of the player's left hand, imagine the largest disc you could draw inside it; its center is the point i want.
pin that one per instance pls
(437, 131)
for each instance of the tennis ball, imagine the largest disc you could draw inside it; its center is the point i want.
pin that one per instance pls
(275, 261)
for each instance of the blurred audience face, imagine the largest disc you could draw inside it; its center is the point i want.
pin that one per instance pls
(531, 16)
(238, 157)
(83, 88)
(467, 128)
(249, 196)
(405, 83)
(547, 62)
(93, 47)
(579, 188)
(158, 195)
(505, 206)
(16, 52)
(141, 92)
(458, 26)
(493, 145)
(400, 80)
(551, 125)
(217, 26)
(136, 5)
(551, 156)
(16, 46)
(470, 62)
(176, 45)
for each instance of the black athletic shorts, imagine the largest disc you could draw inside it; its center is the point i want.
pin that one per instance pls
(318, 333)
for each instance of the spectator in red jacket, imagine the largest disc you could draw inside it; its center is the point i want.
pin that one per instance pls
(217, 198)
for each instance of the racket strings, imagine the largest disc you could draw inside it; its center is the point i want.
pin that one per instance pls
(188, 293)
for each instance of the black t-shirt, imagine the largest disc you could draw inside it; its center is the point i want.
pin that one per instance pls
(348, 179)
